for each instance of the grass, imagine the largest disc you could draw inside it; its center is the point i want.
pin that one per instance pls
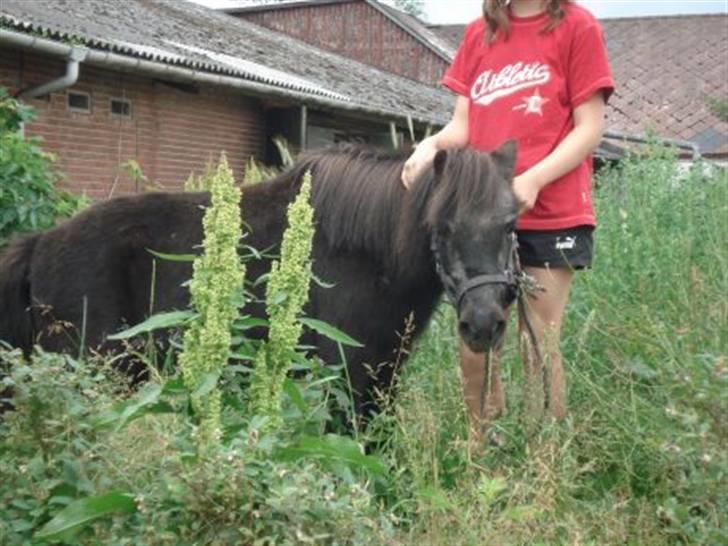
(641, 458)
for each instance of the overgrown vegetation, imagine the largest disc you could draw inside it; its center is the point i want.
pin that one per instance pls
(719, 108)
(640, 460)
(86, 464)
(29, 199)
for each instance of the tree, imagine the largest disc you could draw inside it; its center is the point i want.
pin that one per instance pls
(413, 7)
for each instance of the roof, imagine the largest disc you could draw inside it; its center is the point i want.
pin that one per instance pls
(177, 34)
(453, 34)
(668, 71)
(410, 24)
(418, 29)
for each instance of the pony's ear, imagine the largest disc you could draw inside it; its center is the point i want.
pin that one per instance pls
(505, 157)
(439, 162)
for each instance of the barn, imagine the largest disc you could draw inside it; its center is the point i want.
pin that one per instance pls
(169, 83)
(365, 30)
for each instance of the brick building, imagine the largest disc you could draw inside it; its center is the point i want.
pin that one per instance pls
(364, 30)
(169, 83)
(167, 129)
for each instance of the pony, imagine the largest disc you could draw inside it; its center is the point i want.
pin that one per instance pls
(388, 252)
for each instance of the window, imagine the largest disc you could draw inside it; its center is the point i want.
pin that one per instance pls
(121, 108)
(78, 101)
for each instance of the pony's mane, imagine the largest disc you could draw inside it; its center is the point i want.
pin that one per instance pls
(360, 202)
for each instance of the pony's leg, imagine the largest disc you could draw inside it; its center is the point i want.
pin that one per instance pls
(546, 313)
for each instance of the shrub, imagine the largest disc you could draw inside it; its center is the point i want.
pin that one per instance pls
(29, 200)
(83, 463)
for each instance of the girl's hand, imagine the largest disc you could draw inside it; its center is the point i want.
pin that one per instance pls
(526, 190)
(420, 160)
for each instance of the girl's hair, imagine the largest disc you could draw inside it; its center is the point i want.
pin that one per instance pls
(495, 13)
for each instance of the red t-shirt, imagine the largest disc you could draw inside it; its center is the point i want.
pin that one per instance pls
(526, 87)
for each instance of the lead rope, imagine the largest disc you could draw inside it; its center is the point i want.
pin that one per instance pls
(527, 286)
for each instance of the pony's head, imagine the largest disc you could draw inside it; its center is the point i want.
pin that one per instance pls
(472, 217)
(463, 210)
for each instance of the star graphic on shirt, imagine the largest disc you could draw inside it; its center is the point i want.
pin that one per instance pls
(533, 104)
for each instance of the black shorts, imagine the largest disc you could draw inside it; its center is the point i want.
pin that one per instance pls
(572, 247)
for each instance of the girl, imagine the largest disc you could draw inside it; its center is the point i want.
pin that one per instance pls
(535, 71)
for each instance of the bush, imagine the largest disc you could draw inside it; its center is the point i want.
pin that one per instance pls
(29, 200)
(184, 461)
(85, 464)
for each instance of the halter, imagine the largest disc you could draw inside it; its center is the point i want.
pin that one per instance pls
(512, 275)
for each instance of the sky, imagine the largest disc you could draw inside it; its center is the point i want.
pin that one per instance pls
(463, 11)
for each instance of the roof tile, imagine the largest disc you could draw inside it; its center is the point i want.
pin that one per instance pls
(186, 34)
(667, 69)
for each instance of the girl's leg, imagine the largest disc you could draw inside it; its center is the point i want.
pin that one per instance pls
(474, 370)
(546, 312)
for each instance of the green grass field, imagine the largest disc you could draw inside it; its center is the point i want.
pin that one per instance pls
(641, 459)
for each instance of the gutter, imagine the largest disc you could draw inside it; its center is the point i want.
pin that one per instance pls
(157, 69)
(642, 139)
(75, 57)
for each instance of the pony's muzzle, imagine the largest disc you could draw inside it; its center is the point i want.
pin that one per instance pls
(481, 328)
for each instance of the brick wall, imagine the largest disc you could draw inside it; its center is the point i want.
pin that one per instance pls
(358, 31)
(172, 131)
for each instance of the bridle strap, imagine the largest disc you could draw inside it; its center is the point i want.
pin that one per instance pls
(507, 278)
(511, 275)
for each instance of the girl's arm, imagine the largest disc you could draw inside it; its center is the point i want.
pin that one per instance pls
(578, 144)
(454, 135)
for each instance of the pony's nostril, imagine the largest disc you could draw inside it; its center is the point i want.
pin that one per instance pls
(498, 327)
(464, 327)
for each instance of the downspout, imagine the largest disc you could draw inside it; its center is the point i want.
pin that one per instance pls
(75, 57)
(394, 135)
(304, 128)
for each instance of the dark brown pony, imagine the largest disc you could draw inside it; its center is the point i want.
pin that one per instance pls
(373, 242)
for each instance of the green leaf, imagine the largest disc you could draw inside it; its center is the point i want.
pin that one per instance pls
(206, 384)
(248, 322)
(173, 257)
(147, 401)
(490, 488)
(322, 283)
(330, 332)
(176, 385)
(435, 497)
(155, 322)
(83, 511)
(333, 449)
(291, 389)
(641, 370)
